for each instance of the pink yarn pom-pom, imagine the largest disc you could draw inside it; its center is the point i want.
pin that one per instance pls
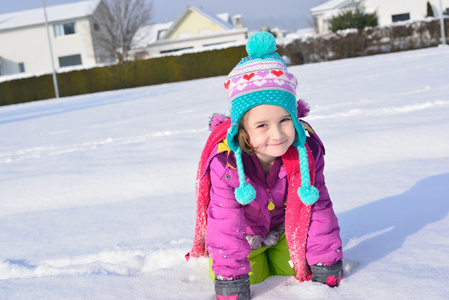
(303, 108)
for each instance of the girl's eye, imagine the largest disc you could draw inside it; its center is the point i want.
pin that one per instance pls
(286, 119)
(261, 125)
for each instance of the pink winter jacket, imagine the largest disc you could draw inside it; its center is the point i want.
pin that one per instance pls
(228, 222)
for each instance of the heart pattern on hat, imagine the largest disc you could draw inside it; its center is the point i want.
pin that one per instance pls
(248, 76)
(277, 73)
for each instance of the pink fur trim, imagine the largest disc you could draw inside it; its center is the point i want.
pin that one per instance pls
(203, 191)
(216, 120)
(297, 214)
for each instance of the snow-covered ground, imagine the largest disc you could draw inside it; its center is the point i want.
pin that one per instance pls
(97, 191)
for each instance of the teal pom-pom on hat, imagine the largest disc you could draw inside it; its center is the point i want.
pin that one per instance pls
(306, 192)
(308, 195)
(261, 43)
(245, 194)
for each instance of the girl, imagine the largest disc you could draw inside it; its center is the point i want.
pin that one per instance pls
(262, 205)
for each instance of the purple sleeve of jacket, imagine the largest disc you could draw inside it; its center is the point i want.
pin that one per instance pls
(226, 228)
(323, 242)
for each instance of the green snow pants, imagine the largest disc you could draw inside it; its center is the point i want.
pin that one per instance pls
(267, 261)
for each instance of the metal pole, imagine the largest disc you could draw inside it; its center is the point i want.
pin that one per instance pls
(55, 80)
(443, 34)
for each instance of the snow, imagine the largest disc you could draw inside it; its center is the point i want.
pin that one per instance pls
(97, 191)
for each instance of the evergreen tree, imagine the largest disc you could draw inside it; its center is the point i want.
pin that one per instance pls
(353, 19)
(429, 10)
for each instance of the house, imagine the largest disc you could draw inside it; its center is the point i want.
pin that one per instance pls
(24, 45)
(387, 11)
(194, 29)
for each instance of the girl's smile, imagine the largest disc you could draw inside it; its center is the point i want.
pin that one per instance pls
(279, 144)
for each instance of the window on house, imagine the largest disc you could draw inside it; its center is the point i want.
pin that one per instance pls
(401, 17)
(64, 29)
(161, 33)
(22, 67)
(174, 50)
(96, 27)
(71, 60)
(447, 11)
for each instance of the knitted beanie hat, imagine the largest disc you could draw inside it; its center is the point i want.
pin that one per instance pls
(262, 78)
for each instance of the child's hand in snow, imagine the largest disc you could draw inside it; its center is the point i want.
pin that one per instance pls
(330, 275)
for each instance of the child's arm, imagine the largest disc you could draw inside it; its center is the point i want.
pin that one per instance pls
(324, 242)
(226, 227)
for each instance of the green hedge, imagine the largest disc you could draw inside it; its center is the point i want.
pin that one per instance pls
(131, 74)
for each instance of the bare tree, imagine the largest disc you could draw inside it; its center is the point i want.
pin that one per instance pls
(115, 22)
(313, 23)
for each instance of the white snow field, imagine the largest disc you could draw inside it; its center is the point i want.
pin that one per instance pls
(97, 191)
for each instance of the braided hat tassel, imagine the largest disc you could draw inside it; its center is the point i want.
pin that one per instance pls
(307, 193)
(245, 193)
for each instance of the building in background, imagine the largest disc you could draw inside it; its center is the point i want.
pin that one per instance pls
(387, 11)
(195, 29)
(24, 43)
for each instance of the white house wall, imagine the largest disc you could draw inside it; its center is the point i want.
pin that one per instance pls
(78, 43)
(323, 17)
(197, 42)
(385, 10)
(323, 20)
(8, 67)
(416, 8)
(29, 45)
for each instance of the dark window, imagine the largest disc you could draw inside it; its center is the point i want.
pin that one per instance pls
(401, 17)
(96, 27)
(174, 50)
(447, 11)
(71, 60)
(216, 44)
(64, 29)
(69, 28)
(22, 67)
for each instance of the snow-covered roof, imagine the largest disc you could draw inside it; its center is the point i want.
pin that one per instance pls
(224, 16)
(332, 4)
(54, 14)
(149, 34)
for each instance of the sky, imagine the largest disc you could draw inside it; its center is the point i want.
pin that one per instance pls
(285, 14)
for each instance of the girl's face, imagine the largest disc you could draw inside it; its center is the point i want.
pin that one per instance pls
(271, 131)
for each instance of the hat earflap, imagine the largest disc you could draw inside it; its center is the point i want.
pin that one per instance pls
(306, 192)
(245, 193)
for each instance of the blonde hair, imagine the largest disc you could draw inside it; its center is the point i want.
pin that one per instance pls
(243, 137)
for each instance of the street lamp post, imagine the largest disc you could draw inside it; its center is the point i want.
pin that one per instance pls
(443, 34)
(55, 80)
